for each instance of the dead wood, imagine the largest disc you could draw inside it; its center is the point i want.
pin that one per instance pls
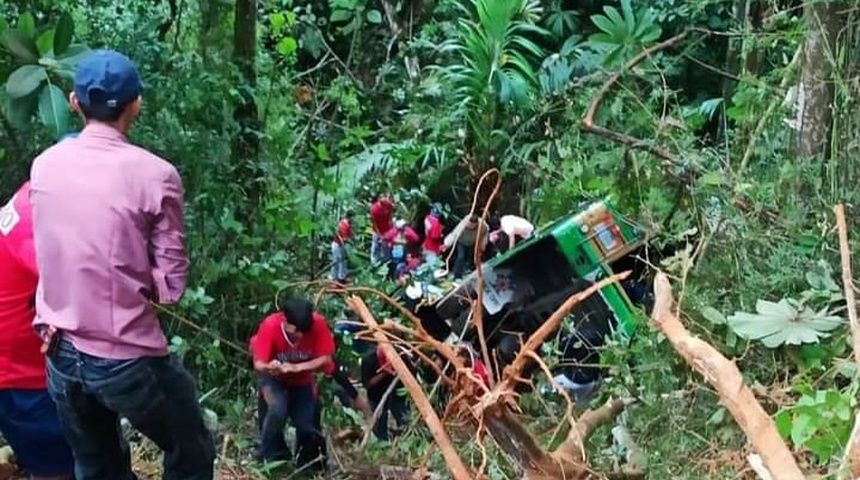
(851, 459)
(574, 445)
(587, 124)
(725, 377)
(455, 464)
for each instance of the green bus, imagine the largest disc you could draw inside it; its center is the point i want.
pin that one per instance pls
(526, 284)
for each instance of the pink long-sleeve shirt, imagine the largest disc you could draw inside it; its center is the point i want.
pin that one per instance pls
(109, 238)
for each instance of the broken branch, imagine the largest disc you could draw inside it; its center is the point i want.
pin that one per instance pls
(587, 124)
(455, 464)
(725, 377)
(573, 446)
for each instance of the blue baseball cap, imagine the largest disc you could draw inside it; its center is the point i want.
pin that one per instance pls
(106, 81)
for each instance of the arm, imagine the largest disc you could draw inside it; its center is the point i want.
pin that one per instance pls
(452, 237)
(378, 378)
(261, 353)
(167, 241)
(436, 231)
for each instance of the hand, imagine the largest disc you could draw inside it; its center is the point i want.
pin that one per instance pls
(287, 368)
(273, 367)
(443, 248)
(49, 341)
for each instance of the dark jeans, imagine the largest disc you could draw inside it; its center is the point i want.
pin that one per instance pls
(156, 394)
(394, 404)
(464, 259)
(279, 401)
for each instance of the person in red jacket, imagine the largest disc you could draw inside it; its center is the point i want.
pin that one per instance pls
(381, 219)
(287, 349)
(339, 266)
(28, 416)
(433, 234)
(400, 239)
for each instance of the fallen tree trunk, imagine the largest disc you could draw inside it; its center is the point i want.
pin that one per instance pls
(725, 377)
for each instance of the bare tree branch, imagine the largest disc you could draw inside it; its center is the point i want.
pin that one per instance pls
(455, 464)
(587, 124)
(729, 383)
(851, 459)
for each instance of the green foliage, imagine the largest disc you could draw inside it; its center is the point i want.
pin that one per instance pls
(793, 322)
(495, 48)
(354, 102)
(47, 58)
(820, 421)
(623, 34)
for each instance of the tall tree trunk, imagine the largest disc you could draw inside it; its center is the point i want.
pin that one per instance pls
(214, 35)
(246, 145)
(815, 92)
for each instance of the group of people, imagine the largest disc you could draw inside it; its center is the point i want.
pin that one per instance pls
(88, 247)
(91, 244)
(396, 242)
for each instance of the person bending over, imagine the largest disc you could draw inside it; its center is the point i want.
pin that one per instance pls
(288, 347)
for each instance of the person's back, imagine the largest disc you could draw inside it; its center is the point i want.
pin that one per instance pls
(109, 236)
(516, 226)
(94, 251)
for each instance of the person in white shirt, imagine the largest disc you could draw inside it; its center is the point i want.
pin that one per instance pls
(514, 227)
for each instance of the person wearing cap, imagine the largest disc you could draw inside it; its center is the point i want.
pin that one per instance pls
(109, 240)
(28, 416)
(288, 347)
(377, 376)
(433, 237)
(469, 232)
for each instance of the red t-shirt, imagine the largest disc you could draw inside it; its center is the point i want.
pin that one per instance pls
(381, 215)
(23, 366)
(432, 234)
(271, 343)
(344, 231)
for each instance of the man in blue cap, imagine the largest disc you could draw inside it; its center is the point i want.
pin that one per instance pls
(109, 238)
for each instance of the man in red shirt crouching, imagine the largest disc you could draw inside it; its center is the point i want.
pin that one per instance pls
(288, 348)
(28, 416)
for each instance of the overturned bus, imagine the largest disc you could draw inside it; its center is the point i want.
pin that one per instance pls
(526, 284)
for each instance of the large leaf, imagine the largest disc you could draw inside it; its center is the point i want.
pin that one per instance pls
(27, 24)
(68, 63)
(45, 42)
(782, 323)
(25, 80)
(63, 33)
(20, 45)
(19, 111)
(54, 110)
